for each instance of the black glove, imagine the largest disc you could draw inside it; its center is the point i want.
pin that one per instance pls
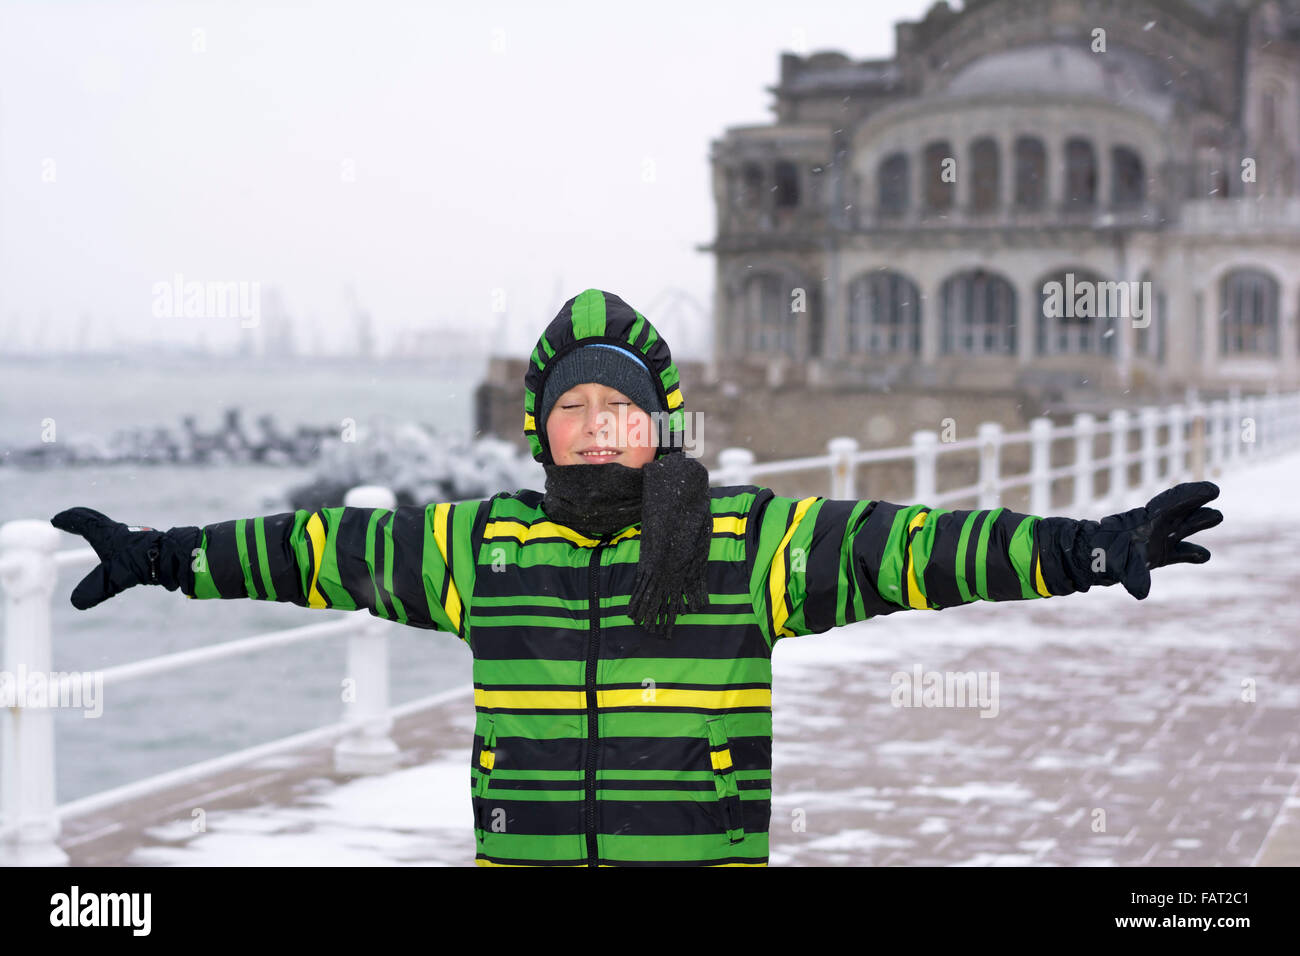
(128, 556)
(1145, 538)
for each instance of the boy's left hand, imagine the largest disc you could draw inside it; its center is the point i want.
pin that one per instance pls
(1150, 537)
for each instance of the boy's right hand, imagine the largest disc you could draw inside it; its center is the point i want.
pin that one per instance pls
(128, 556)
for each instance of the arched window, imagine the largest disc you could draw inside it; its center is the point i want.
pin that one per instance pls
(978, 315)
(751, 186)
(894, 183)
(787, 185)
(1210, 179)
(1149, 341)
(1079, 313)
(1267, 115)
(1031, 173)
(1248, 320)
(884, 314)
(771, 325)
(1127, 181)
(1080, 174)
(984, 175)
(939, 194)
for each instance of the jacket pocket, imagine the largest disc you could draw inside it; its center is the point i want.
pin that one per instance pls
(484, 762)
(724, 779)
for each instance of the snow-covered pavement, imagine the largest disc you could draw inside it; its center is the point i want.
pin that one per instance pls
(1159, 732)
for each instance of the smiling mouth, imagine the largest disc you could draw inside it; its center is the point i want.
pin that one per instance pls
(601, 454)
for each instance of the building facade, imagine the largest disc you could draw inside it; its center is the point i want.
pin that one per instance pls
(1104, 194)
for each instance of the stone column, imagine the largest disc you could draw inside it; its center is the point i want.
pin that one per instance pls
(1104, 174)
(1006, 176)
(1027, 309)
(929, 283)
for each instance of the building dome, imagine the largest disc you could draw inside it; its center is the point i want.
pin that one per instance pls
(1058, 69)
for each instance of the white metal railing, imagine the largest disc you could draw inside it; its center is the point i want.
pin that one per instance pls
(29, 566)
(1202, 439)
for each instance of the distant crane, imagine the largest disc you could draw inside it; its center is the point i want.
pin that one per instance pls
(361, 322)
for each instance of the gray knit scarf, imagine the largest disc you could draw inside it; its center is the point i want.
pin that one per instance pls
(670, 499)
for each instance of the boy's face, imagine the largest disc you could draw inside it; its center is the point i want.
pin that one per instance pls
(592, 424)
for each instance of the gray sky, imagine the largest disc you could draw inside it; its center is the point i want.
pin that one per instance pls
(492, 146)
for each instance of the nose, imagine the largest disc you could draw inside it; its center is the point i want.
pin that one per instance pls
(596, 424)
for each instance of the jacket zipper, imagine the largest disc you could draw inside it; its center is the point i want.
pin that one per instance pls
(593, 723)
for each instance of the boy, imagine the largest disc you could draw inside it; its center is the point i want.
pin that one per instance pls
(622, 623)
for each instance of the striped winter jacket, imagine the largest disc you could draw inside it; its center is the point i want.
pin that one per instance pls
(598, 743)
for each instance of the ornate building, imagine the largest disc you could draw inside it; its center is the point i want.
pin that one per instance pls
(905, 220)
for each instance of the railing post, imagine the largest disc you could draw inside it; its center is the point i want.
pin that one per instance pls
(1150, 418)
(1040, 466)
(737, 464)
(925, 458)
(367, 748)
(1176, 463)
(842, 468)
(1198, 442)
(1217, 425)
(1119, 423)
(27, 798)
(1085, 426)
(1234, 426)
(990, 444)
(1250, 410)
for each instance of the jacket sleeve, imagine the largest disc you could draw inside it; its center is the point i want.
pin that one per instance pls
(414, 565)
(819, 563)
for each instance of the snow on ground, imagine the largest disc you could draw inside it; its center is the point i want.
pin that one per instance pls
(1104, 671)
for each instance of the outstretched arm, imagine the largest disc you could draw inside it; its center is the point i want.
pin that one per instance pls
(409, 564)
(821, 563)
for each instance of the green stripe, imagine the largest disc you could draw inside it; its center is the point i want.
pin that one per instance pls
(962, 543)
(539, 600)
(923, 547)
(381, 608)
(631, 670)
(259, 533)
(981, 554)
(204, 586)
(687, 847)
(588, 314)
(633, 332)
(329, 581)
(243, 558)
(388, 573)
(889, 582)
(1021, 553)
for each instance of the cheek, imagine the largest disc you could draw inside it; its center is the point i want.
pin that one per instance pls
(559, 433)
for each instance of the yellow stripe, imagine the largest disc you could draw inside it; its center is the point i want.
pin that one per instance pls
(777, 579)
(530, 699)
(685, 697)
(1038, 577)
(721, 759)
(914, 597)
(481, 862)
(729, 525)
(674, 398)
(316, 536)
(530, 423)
(550, 529)
(452, 604)
(623, 697)
(487, 758)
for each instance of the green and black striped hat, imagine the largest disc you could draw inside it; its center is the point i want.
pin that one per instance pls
(596, 317)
